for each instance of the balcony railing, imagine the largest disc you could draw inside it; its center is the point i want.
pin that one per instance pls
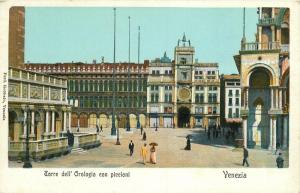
(254, 46)
(285, 48)
(267, 21)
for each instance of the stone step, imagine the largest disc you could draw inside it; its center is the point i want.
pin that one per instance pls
(78, 150)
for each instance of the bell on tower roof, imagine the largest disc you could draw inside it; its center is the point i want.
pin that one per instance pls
(183, 41)
(184, 38)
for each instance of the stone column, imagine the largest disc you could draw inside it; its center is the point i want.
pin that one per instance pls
(32, 124)
(272, 98)
(25, 123)
(70, 119)
(245, 131)
(65, 122)
(271, 134)
(259, 36)
(276, 98)
(273, 33)
(47, 121)
(280, 98)
(274, 133)
(285, 132)
(53, 123)
(246, 98)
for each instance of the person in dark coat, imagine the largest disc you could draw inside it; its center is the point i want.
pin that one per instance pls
(101, 129)
(142, 130)
(188, 143)
(246, 155)
(97, 129)
(208, 133)
(144, 136)
(277, 147)
(214, 131)
(131, 147)
(280, 160)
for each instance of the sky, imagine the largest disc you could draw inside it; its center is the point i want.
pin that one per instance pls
(81, 34)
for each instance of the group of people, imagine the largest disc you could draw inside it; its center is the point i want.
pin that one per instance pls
(213, 130)
(144, 152)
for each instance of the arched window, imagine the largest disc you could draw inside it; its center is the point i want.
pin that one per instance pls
(91, 86)
(120, 86)
(81, 86)
(125, 85)
(110, 85)
(134, 85)
(100, 85)
(130, 85)
(86, 102)
(96, 85)
(144, 85)
(76, 85)
(86, 86)
(81, 102)
(105, 85)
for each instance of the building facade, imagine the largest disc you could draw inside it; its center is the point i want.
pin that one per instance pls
(90, 92)
(264, 69)
(183, 93)
(230, 100)
(43, 100)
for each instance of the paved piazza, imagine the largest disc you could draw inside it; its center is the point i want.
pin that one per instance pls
(170, 152)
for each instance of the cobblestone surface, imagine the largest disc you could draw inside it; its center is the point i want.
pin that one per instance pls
(170, 152)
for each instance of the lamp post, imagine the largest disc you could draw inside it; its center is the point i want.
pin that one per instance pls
(128, 80)
(24, 119)
(139, 80)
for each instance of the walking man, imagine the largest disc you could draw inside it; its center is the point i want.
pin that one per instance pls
(97, 129)
(208, 133)
(246, 155)
(141, 130)
(101, 130)
(279, 160)
(144, 153)
(131, 147)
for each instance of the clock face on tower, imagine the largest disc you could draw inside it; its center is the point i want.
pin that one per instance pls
(184, 94)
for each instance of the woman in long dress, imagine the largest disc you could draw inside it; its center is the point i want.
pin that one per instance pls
(153, 155)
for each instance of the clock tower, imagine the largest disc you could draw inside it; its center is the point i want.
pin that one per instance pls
(184, 73)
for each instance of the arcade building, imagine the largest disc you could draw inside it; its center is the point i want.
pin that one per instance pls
(90, 92)
(264, 69)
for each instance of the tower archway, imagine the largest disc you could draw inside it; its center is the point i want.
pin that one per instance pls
(259, 104)
(184, 115)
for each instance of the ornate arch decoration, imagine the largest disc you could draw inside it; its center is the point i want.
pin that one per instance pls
(261, 66)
